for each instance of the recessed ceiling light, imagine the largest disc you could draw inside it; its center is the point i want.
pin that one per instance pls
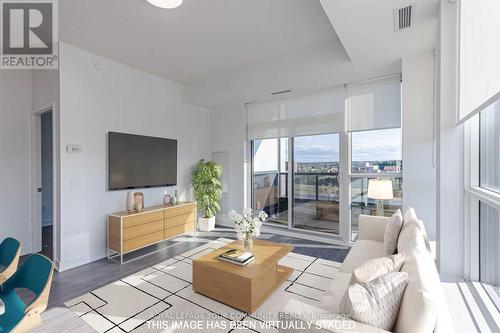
(168, 4)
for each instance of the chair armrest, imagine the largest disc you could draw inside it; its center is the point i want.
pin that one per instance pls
(372, 227)
(296, 316)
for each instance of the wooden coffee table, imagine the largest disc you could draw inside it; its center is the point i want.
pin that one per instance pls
(244, 288)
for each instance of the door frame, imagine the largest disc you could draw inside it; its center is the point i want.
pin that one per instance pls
(36, 180)
(344, 236)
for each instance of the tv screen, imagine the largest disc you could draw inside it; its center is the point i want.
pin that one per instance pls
(137, 161)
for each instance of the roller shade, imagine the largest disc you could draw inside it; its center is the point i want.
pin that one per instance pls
(374, 105)
(479, 70)
(320, 113)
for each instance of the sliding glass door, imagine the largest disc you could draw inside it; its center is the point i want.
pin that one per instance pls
(316, 191)
(270, 178)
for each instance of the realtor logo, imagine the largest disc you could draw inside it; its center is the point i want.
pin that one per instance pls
(28, 34)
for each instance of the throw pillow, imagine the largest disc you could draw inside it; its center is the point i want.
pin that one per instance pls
(391, 234)
(374, 268)
(376, 302)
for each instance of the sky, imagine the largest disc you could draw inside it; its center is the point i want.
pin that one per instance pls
(381, 145)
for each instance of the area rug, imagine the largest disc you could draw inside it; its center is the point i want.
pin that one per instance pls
(161, 299)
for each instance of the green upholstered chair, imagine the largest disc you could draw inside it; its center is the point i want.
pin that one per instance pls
(10, 249)
(34, 274)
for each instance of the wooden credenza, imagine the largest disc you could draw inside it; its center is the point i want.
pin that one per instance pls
(132, 231)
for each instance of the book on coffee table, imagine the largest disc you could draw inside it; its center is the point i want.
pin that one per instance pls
(243, 263)
(237, 257)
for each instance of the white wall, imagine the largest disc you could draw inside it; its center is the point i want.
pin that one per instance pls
(419, 164)
(15, 169)
(99, 95)
(450, 249)
(229, 135)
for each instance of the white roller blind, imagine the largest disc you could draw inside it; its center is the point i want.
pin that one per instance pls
(479, 56)
(374, 105)
(320, 113)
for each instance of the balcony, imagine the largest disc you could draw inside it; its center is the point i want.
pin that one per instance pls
(316, 199)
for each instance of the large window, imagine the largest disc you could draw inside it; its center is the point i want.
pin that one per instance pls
(490, 148)
(489, 179)
(376, 151)
(374, 155)
(482, 152)
(489, 247)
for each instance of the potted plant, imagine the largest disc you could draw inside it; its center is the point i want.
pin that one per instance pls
(207, 192)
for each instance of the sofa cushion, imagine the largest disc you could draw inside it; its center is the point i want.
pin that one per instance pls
(376, 302)
(418, 311)
(411, 241)
(297, 317)
(391, 232)
(362, 251)
(411, 217)
(335, 292)
(374, 268)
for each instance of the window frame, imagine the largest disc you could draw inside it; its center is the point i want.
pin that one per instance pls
(474, 194)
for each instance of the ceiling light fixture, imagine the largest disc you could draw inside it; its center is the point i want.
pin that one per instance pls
(167, 4)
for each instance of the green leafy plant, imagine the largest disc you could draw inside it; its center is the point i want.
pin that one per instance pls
(207, 187)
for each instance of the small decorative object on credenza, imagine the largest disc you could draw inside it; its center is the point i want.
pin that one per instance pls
(247, 226)
(174, 199)
(380, 190)
(237, 257)
(138, 201)
(130, 202)
(207, 192)
(166, 198)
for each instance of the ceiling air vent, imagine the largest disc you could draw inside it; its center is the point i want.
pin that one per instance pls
(403, 18)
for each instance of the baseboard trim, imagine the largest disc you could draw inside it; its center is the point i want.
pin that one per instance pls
(64, 265)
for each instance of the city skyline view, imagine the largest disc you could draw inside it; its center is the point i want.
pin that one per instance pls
(367, 147)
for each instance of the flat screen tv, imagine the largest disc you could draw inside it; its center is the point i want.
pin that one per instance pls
(137, 161)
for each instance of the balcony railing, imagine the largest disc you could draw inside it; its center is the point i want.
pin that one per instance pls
(318, 186)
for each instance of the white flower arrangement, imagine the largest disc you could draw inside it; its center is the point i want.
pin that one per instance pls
(246, 225)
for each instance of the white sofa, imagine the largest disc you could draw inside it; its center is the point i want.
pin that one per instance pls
(423, 308)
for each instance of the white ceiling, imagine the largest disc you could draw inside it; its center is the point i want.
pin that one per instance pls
(234, 51)
(373, 49)
(199, 39)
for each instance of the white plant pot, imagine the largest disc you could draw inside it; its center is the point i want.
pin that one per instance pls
(206, 224)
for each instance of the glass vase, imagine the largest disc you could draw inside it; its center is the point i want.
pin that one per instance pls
(247, 242)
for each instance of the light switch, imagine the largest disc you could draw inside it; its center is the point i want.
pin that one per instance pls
(74, 149)
(74, 183)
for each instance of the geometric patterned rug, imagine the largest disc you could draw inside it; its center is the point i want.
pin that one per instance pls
(161, 299)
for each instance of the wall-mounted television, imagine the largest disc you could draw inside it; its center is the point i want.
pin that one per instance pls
(136, 161)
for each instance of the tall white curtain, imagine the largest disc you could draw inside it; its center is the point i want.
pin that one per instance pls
(374, 105)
